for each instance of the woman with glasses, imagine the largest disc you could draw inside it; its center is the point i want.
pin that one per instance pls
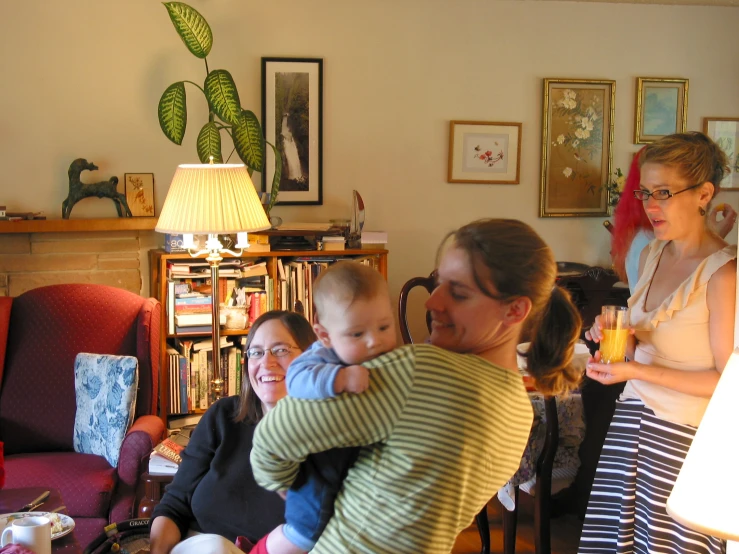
(682, 316)
(213, 491)
(633, 232)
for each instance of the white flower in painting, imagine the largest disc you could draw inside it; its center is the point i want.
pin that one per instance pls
(568, 99)
(575, 143)
(586, 124)
(582, 133)
(560, 139)
(567, 171)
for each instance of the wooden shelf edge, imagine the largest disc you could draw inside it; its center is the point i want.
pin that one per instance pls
(78, 225)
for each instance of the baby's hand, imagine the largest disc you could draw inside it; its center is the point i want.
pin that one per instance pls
(352, 378)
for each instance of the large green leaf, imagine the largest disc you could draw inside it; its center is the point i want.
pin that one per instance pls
(276, 179)
(173, 112)
(209, 144)
(248, 140)
(192, 28)
(222, 96)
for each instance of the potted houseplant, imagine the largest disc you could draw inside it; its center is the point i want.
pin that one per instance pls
(224, 108)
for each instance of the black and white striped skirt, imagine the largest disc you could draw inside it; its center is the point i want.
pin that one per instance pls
(641, 458)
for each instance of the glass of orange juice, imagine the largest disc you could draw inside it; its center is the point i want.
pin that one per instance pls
(615, 334)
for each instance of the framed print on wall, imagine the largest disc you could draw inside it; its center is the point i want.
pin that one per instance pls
(576, 145)
(725, 132)
(139, 190)
(484, 152)
(661, 108)
(292, 117)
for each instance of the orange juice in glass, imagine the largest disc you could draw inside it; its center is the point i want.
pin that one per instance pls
(614, 327)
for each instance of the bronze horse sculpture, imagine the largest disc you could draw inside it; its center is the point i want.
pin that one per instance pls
(103, 189)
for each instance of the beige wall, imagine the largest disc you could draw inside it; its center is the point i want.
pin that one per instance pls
(82, 78)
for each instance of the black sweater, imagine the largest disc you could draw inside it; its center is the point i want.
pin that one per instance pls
(214, 490)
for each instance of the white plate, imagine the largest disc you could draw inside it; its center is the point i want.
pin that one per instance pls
(66, 521)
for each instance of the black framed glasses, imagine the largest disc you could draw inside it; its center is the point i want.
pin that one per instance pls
(276, 351)
(659, 194)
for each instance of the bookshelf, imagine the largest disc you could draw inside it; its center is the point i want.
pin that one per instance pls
(158, 283)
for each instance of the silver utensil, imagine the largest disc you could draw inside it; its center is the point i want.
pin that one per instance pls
(36, 502)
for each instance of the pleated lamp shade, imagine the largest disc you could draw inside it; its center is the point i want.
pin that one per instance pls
(212, 198)
(706, 493)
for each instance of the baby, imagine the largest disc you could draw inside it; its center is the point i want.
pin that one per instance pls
(354, 325)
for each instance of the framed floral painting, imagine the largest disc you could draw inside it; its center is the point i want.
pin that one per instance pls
(140, 193)
(725, 132)
(661, 108)
(484, 152)
(577, 139)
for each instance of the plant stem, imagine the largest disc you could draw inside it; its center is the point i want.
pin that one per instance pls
(197, 85)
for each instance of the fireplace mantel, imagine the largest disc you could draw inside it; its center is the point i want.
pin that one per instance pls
(78, 225)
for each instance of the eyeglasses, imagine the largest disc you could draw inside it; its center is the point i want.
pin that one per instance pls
(276, 351)
(659, 194)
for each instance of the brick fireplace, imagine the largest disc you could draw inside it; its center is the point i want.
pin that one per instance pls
(45, 257)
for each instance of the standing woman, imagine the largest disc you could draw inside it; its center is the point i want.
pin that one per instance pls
(443, 427)
(682, 311)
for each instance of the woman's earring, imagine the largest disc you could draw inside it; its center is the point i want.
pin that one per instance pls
(701, 210)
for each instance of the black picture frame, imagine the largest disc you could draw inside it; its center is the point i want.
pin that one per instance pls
(290, 88)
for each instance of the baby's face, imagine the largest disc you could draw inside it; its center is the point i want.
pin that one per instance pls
(361, 331)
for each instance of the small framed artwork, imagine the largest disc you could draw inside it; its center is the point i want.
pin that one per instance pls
(661, 108)
(725, 132)
(292, 117)
(484, 152)
(576, 145)
(140, 193)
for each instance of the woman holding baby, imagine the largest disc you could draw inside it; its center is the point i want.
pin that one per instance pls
(441, 426)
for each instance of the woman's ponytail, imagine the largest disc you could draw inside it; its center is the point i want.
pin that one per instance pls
(554, 334)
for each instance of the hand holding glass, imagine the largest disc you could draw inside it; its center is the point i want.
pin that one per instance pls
(615, 334)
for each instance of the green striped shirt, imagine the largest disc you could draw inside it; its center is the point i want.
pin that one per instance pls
(446, 432)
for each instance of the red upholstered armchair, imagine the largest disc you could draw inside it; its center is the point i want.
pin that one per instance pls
(41, 333)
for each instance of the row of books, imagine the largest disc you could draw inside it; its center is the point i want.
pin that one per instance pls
(296, 280)
(191, 312)
(190, 372)
(228, 268)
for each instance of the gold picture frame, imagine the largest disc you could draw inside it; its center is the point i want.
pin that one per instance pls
(484, 152)
(661, 108)
(576, 147)
(725, 132)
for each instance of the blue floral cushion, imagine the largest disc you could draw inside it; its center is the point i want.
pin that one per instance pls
(105, 388)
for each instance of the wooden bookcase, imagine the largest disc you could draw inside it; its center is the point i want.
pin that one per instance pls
(158, 260)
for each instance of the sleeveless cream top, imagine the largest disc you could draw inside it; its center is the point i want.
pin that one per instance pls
(674, 335)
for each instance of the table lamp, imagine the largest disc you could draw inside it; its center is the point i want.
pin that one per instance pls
(706, 494)
(212, 199)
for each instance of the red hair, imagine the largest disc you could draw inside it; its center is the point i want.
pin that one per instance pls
(629, 218)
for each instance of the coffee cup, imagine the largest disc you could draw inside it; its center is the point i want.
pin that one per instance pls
(33, 533)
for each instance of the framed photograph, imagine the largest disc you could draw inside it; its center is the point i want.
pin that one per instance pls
(576, 144)
(139, 190)
(725, 132)
(292, 117)
(661, 108)
(484, 152)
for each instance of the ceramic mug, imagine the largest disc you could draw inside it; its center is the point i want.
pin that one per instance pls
(32, 532)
